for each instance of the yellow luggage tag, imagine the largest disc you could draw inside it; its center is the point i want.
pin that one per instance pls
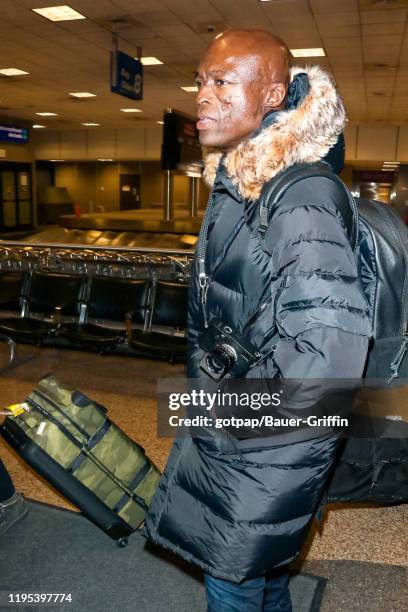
(16, 409)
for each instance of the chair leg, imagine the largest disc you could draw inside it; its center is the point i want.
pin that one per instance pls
(14, 360)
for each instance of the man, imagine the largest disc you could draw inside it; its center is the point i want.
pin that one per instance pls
(241, 508)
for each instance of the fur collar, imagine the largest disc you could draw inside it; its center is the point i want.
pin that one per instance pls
(302, 135)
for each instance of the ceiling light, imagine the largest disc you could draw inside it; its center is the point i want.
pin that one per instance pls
(59, 13)
(160, 122)
(102, 159)
(89, 123)
(47, 114)
(190, 89)
(38, 126)
(57, 160)
(150, 61)
(82, 94)
(130, 110)
(391, 163)
(317, 52)
(12, 71)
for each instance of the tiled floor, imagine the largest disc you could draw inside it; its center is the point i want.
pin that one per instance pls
(127, 386)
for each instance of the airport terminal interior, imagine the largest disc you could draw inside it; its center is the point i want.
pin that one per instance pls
(102, 197)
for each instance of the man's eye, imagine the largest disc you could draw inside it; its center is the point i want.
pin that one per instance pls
(221, 82)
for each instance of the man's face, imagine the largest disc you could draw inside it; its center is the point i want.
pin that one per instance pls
(231, 96)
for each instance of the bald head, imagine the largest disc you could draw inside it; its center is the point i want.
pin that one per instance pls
(243, 75)
(270, 50)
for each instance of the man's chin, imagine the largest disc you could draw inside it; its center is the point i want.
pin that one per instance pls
(208, 140)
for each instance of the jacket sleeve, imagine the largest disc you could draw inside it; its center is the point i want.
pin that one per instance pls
(320, 310)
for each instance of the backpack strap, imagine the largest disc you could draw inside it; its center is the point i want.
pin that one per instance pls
(277, 187)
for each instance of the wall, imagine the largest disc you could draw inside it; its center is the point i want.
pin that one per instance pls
(17, 152)
(346, 175)
(401, 191)
(91, 144)
(364, 142)
(79, 179)
(376, 143)
(91, 184)
(141, 148)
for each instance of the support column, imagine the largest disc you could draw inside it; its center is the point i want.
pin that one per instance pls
(168, 196)
(194, 195)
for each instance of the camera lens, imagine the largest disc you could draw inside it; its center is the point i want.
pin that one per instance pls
(221, 359)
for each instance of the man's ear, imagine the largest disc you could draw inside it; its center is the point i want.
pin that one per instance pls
(276, 96)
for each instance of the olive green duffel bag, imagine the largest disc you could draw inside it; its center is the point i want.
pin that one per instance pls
(69, 440)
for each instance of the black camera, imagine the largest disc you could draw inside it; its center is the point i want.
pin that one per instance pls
(227, 352)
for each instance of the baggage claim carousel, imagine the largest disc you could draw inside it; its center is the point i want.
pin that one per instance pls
(127, 244)
(145, 228)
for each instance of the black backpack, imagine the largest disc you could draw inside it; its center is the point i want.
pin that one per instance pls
(371, 468)
(372, 227)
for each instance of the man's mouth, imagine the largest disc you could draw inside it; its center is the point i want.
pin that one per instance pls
(204, 122)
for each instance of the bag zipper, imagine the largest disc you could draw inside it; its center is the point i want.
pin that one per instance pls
(396, 362)
(55, 421)
(203, 279)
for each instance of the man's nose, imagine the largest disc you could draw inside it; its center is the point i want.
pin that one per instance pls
(204, 94)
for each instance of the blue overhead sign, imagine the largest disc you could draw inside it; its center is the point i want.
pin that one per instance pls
(126, 76)
(9, 133)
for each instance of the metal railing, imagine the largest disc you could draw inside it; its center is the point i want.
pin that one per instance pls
(129, 262)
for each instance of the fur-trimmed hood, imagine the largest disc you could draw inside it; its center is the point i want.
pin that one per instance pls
(304, 134)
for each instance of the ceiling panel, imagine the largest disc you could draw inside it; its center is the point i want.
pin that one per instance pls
(390, 41)
(199, 10)
(340, 64)
(284, 9)
(292, 34)
(376, 55)
(138, 6)
(339, 19)
(76, 53)
(332, 6)
(351, 55)
(385, 16)
(294, 40)
(383, 29)
(346, 42)
(165, 17)
(333, 31)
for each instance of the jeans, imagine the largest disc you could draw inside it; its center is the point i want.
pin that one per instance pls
(265, 594)
(6, 486)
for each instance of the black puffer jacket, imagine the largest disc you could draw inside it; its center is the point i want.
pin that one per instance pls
(239, 510)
